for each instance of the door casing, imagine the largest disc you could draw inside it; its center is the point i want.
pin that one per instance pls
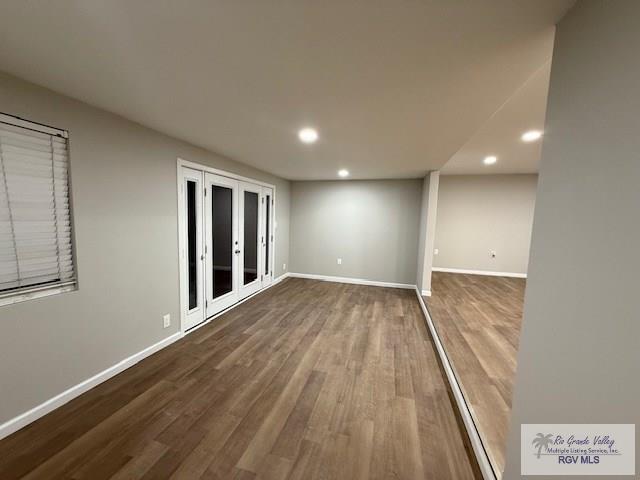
(266, 235)
(196, 315)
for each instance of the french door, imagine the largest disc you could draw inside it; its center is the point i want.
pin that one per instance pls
(192, 255)
(221, 242)
(250, 240)
(266, 235)
(227, 242)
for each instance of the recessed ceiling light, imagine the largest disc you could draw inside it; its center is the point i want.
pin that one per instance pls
(531, 136)
(308, 135)
(343, 173)
(490, 160)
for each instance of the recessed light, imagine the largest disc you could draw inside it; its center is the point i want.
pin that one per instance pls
(308, 135)
(531, 136)
(490, 160)
(343, 173)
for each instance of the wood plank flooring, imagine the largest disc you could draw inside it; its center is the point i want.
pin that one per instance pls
(478, 319)
(308, 380)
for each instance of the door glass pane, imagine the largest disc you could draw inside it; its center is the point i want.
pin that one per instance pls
(250, 237)
(192, 239)
(222, 239)
(267, 232)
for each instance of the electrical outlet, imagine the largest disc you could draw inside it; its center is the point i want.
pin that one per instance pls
(284, 267)
(167, 320)
(436, 251)
(339, 261)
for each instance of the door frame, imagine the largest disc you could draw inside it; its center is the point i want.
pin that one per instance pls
(200, 310)
(267, 234)
(181, 241)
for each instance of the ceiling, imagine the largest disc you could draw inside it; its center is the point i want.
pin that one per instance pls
(394, 88)
(500, 134)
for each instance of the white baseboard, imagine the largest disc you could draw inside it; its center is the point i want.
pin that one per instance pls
(474, 437)
(480, 272)
(281, 277)
(426, 293)
(357, 281)
(35, 413)
(24, 419)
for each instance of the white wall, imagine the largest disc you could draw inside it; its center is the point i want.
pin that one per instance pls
(372, 225)
(125, 212)
(427, 237)
(579, 350)
(478, 214)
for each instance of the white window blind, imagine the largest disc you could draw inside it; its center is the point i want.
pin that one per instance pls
(35, 217)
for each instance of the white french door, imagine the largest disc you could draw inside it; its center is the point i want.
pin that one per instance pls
(221, 243)
(266, 235)
(226, 242)
(190, 220)
(250, 242)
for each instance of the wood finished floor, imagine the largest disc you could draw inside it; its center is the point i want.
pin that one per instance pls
(478, 319)
(307, 380)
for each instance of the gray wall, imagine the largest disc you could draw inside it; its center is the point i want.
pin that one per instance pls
(579, 353)
(372, 225)
(426, 241)
(481, 213)
(125, 212)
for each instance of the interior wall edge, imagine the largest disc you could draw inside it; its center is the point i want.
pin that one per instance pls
(427, 229)
(578, 356)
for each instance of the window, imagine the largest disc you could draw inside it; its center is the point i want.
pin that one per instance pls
(36, 251)
(222, 239)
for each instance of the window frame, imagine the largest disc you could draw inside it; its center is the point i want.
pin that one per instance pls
(22, 294)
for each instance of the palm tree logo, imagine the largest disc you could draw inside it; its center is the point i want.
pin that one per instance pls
(542, 441)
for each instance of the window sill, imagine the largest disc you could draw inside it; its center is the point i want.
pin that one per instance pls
(38, 292)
